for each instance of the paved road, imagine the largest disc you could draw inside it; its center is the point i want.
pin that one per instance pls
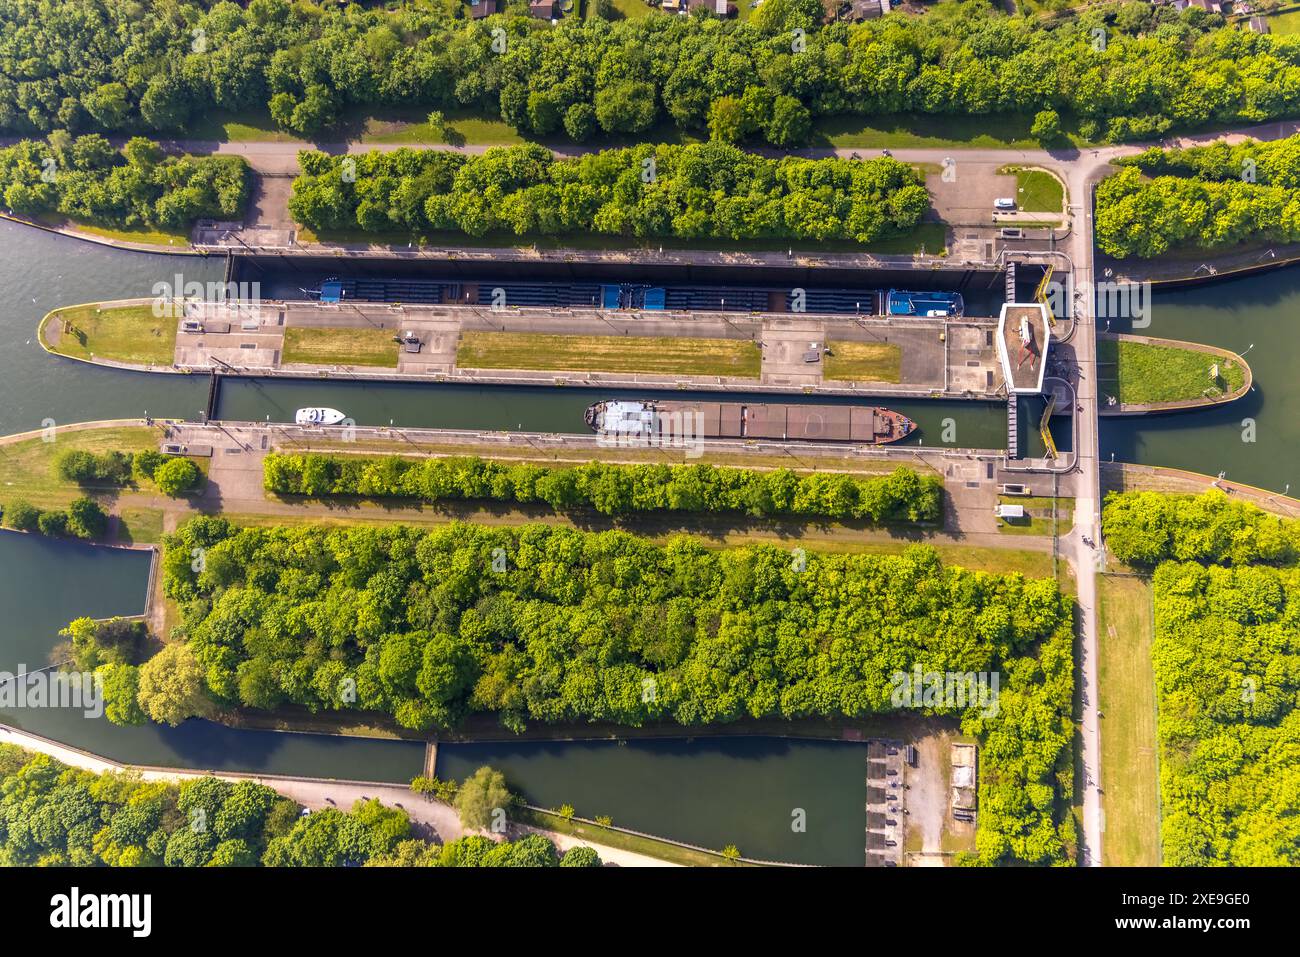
(1087, 514)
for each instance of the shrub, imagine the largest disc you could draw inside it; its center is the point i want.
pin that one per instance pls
(86, 519)
(145, 463)
(75, 465)
(84, 468)
(53, 524)
(22, 515)
(176, 476)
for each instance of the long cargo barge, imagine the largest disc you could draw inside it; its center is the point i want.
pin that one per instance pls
(656, 421)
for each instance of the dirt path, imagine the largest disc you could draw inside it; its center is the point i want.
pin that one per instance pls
(927, 799)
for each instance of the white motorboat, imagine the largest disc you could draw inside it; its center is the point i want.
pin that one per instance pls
(318, 417)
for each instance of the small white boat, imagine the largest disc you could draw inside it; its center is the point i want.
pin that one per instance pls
(318, 417)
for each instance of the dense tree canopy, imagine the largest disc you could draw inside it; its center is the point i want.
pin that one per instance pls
(612, 489)
(115, 65)
(710, 190)
(1227, 667)
(1149, 217)
(1274, 163)
(54, 815)
(1147, 528)
(86, 180)
(547, 624)
(1206, 196)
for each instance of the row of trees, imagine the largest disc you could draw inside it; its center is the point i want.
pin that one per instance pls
(545, 624)
(87, 180)
(114, 66)
(710, 190)
(1227, 670)
(612, 489)
(83, 518)
(172, 474)
(56, 816)
(1147, 528)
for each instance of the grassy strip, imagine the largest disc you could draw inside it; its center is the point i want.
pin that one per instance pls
(1037, 191)
(26, 467)
(827, 537)
(623, 9)
(460, 127)
(864, 361)
(353, 346)
(1284, 24)
(140, 526)
(647, 354)
(1038, 516)
(621, 840)
(1128, 730)
(996, 131)
(249, 126)
(123, 334)
(1143, 373)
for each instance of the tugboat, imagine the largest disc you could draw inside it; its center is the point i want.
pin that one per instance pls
(318, 417)
(652, 421)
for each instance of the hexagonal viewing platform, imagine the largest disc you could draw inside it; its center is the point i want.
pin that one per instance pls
(1024, 337)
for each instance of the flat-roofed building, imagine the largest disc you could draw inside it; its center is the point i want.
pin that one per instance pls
(1024, 337)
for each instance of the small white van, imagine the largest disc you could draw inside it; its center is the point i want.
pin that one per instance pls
(1004, 204)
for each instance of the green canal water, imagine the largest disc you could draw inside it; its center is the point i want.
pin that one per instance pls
(531, 409)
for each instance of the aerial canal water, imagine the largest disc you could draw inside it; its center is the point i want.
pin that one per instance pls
(754, 792)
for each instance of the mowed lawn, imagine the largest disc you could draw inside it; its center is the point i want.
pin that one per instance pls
(1037, 191)
(1142, 373)
(652, 355)
(1038, 516)
(864, 361)
(124, 334)
(140, 526)
(326, 346)
(27, 466)
(1130, 798)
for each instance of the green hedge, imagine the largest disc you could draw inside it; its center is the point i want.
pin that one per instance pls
(902, 495)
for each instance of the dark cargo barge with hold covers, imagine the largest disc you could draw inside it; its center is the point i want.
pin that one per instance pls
(655, 421)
